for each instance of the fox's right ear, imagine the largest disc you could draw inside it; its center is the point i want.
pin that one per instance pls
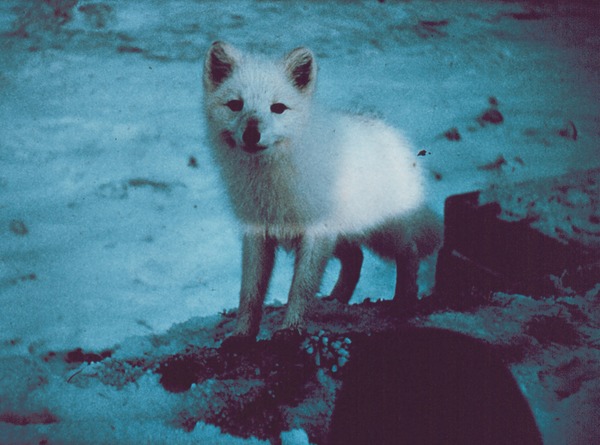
(219, 63)
(301, 69)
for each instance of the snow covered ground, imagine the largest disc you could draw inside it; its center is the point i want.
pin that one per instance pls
(113, 223)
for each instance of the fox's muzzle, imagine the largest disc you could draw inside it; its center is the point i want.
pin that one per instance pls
(251, 138)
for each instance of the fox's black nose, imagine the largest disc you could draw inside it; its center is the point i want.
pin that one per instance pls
(251, 135)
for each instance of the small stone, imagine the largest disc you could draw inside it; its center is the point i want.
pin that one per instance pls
(494, 165)
(569, 131)
(452, 134)
(18, 227)
(193, 162)
(491, 116)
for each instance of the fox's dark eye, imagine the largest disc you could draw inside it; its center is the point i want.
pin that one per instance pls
(235, 105)
(278, 108)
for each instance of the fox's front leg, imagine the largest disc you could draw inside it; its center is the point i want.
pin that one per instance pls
(312, 255)
(258, 254)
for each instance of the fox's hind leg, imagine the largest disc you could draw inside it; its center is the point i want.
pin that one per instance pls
(407, 267)
(420, 235)
(351, 258)
(395, 241)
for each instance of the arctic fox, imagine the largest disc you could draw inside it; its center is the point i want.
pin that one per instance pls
(320, 183)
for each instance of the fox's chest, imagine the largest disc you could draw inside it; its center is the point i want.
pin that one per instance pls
(282, 198)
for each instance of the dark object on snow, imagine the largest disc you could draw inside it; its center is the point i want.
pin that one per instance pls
(251, 388)
(158, 186)
(79, 356)
(536, 238)
(569, 132)
(491, 116)
(452, 134)
(18, 227)
(494, 165)
(128, 49)
(283, 360)
(429, 386)
(431, 28)
(43, 417)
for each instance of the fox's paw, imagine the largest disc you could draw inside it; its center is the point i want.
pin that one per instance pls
(335, 298)
(289, 336)
(238, 343)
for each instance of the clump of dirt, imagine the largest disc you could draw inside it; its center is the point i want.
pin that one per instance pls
(18, 227)
(252, 392)
(43, 417)
(289, 381)
(492, 115)
(494, 165)
(78, 355)
(452, 134)
(553, 329)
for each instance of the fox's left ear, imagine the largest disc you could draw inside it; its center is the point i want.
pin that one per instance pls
(221, 59)
(301, 68)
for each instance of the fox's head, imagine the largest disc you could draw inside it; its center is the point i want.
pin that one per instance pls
(257, 105)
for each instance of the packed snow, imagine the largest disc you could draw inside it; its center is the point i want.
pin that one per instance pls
(114, 226)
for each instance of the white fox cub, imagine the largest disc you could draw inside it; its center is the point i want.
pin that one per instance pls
(320, 183)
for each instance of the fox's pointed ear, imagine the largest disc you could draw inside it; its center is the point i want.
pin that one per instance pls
(219, 63)
(301, 69)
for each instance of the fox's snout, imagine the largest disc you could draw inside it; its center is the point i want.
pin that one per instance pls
(251, 137)
(251, 134)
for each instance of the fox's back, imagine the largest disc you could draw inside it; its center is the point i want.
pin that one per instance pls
(377, 176)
